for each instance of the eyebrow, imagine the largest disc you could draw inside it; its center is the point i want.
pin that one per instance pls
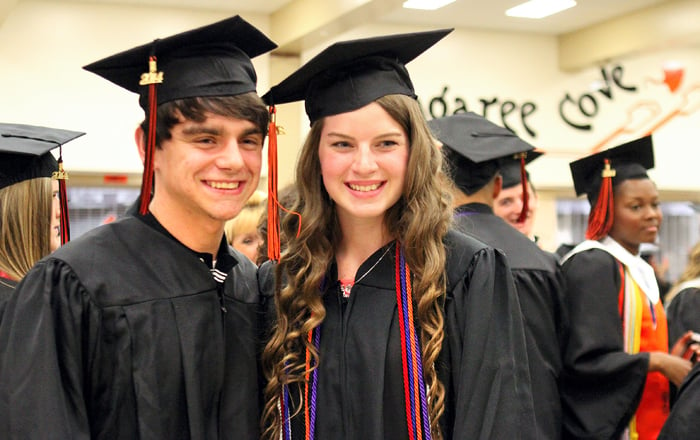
(201, 129)
(216, 131)
(384, 135)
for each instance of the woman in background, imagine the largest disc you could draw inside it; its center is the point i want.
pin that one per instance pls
(616, 364)
(29, 204)
(242, 231)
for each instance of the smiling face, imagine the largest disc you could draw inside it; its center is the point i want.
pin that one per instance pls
(363, 156)
(207, 170)
(637, 215)
(509, 204)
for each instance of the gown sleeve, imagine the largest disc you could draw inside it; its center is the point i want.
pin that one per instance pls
(489, 395)
(602, 385)
(44, 351)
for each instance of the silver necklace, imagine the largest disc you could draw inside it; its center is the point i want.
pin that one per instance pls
(346, 288)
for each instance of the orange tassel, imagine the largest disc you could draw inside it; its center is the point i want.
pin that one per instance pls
(600, 219)
(273, 223)
(273, 217)
(526, 195)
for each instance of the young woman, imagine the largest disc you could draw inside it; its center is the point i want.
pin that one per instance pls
(617, 366)
(388, 324)
(242, 230)
(29, 205)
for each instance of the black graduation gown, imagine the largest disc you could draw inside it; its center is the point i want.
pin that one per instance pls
(7, 287)
(683, 314)
(684, 420)
(540, 287)
(360, 386)
(602, 385)
(122, 334)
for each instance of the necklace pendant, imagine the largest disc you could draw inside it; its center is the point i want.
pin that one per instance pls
(345, 289)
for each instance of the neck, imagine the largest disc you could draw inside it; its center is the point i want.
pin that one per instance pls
(361, 238)
(629, 247)
(482, 196)
(200, 236)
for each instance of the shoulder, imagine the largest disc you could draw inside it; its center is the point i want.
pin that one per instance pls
(465, 253)
(592, 266)
(241, 282)
(590, 257)
(105, 240)
(688, 297)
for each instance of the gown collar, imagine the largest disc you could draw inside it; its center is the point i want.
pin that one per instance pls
(225, 261)
(640, 270)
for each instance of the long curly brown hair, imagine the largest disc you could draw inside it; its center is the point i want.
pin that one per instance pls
(419, 220)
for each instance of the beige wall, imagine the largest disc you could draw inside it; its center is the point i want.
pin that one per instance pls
(43, 46)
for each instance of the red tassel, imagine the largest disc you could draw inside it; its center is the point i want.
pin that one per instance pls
(273, 222)
(600, 219)
(151, 79)
(62, 176)
(526, 195)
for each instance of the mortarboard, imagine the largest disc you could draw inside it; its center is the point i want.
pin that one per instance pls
(510, 168)
(344, 77)
(25, 153)
(212, 60)
(476, 148)
(350, 74)
(597, 174)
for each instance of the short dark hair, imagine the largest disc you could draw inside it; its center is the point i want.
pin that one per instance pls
(247, 106)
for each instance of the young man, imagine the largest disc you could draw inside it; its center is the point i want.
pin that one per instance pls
(509, 202)
(475, 150)
(146, 327)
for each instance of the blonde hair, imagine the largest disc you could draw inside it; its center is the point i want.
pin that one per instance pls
(25, 225)
(247, 220)
(419, 220)
(691, 271)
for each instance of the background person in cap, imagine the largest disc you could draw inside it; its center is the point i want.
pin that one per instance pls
(30, 211)
(146, 327)
(413, 322)
(509, 203)
(475, 149)
(617, 365)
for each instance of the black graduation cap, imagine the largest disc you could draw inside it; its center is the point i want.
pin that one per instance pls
(350, 74)
(25, 153)
(628, 161)
(596, 176)
(510, 168)
(475, 147)
(212, 60)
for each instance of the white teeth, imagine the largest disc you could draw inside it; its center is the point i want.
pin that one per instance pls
(364, 187)
(223, 185)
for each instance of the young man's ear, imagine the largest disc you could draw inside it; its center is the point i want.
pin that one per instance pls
(140, 139)
(497, 186)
